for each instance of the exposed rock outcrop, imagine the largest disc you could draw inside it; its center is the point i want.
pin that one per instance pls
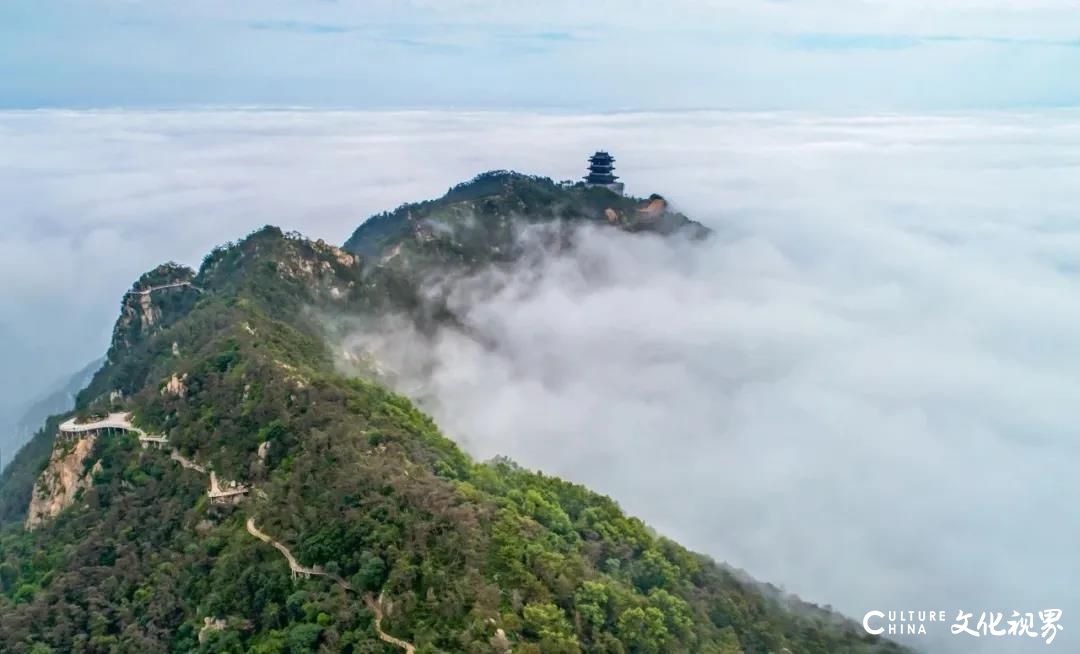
(210, 625)
(155, 301)
(61, 480)
(175, 386)
(148, 313)
(500, 643)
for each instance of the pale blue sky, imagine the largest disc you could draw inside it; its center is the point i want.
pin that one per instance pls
(601, 55)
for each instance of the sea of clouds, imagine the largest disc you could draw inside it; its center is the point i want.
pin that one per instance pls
(864, 388)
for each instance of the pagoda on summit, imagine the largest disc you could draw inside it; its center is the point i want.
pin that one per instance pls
(601, 172)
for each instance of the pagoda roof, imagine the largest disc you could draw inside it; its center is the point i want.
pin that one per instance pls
(600, 168)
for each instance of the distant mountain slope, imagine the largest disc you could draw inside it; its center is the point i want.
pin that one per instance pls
(407, 541)
(59, 400)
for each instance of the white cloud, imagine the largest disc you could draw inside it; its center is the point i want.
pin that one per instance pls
(864, 390)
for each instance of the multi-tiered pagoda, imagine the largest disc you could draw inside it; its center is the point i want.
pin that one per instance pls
(601, 172)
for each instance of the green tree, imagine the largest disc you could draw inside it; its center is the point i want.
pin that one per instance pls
(591, 602)
(675, 610)
(548, 624)
(653, 571)
(642, 630)
(303, 638)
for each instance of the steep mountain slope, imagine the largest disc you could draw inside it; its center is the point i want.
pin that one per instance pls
(363, 529)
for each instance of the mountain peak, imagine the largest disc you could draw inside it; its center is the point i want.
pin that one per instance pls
(481, 213)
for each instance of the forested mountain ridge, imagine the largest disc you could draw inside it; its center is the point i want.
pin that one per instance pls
(476, 221)
(231, 364)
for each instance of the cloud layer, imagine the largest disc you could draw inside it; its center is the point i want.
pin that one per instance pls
(601, 55)
(864, 389)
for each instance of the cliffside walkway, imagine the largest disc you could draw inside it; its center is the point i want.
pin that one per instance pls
(219, 494)
(113, 422)
(120, 421)
(374, 604)
(148, 291)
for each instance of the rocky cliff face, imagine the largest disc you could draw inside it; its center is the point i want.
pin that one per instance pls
(61, 480)
(157, 299)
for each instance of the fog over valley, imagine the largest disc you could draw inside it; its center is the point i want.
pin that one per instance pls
(862, 387)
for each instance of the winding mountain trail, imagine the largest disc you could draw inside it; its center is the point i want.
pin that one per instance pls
(294, 565)
(122, 422)
(186, 462)
(374, 604)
